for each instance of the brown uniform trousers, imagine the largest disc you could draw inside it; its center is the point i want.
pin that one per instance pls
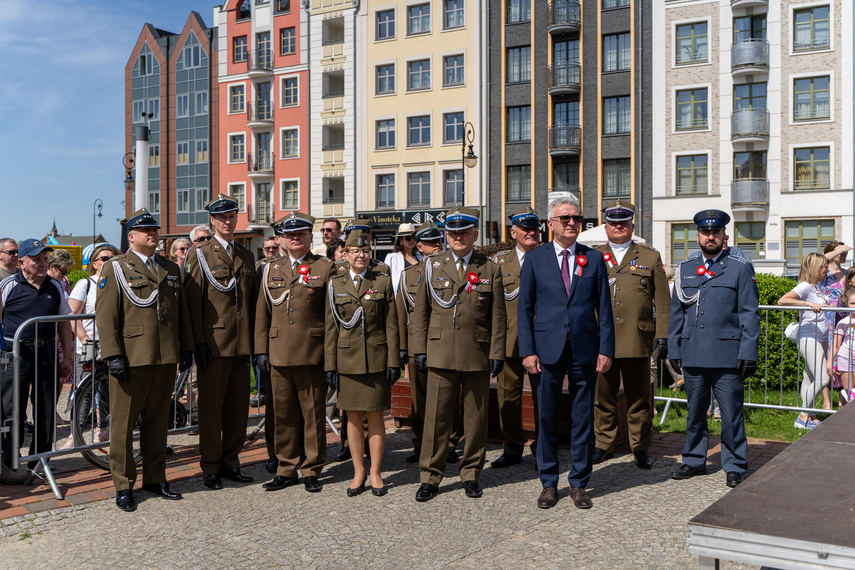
(269, 413)
(151, 338)
(638, 285)
(289, 328)
(459, 342)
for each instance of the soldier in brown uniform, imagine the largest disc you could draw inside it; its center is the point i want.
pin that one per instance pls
(525, 231)
(221, 293)
(144, 329)
(638, 285)
(459, 327)
(289, 339)
(271, 250)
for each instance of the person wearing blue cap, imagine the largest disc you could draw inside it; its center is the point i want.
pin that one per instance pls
(713, 336)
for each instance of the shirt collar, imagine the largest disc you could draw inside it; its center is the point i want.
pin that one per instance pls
(559, 249)
(624, 245)
(224, 243)
(353, 275)
(144, 258)
(466, 258)
(520, 255)
(300, 260)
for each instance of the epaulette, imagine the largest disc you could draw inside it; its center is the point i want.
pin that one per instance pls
(646, 246)
(736, 258)
(323, 259)
(378, 263)
(119, 257)
(437, 253)
(501, 253)
(341, 261)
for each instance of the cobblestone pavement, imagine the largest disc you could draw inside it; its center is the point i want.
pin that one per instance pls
(638, 521)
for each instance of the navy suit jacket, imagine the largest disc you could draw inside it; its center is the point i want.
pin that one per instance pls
(546, 314)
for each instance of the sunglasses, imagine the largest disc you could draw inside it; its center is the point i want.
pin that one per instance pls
(407, 238)
(566, 219)
(202, 238)
(181, 249)
(269, 248)
(10, 252)
(103, 259)
(325, 230)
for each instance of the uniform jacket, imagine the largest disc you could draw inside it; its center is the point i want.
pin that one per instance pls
(144, 335)
(372, 344)
(723, 325)
(222, 320)
(289, 321)
(547, 315)
(466, 335)
(637, 285)
(408, 286)
(509, 263)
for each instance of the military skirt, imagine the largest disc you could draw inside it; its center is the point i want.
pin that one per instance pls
(364, 392)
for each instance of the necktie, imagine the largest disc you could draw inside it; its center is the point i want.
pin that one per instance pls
(460, 269)
(149, 264)
(294, 267)
(565, 270)
(230, 251)
(357, 282)
(709, 264)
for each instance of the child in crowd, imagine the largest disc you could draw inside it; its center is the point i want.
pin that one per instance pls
(843, 351)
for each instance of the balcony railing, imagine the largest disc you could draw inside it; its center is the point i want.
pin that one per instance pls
(747, 3)
(813, 112)
(261, 111)
(259, 60)
(749, 54)
(332, 146)
(564, 76)
(821, 182)
(747, 192)
(749, 123)
(565, 140)
(261, 163)
(690, 123)
(329, 94)
(564, 16)
(815, 43)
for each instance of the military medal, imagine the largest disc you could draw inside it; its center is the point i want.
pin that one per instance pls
(609, 259)
(581, 261)
(303, 270)
(472, 279)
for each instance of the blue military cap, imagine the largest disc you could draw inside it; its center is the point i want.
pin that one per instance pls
(140, 219)
(619, 211)
(428, 232)
(30, 247)
(293, 222)
(458, 219)
(360, 224)
(711, 220)
(525, 218)
(222, 204)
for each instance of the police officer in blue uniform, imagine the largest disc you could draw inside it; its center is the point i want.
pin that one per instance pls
(713, 336)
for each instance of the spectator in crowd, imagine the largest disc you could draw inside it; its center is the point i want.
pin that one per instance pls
(335, 251)
(330, 232)
(8, 257)
(404, 253)
(178, 252)
(843, 351)
(813, 332)
(200, 234)
(833, 286)
(269, 248)
(59, 264)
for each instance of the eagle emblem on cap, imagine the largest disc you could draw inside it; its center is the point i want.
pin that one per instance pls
(618, 204)
(456, 209)
(710, 213)
(360, 241)
(293, 214)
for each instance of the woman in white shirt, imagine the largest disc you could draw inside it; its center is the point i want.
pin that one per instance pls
(404, 254)
(813, 332)
(82, 298)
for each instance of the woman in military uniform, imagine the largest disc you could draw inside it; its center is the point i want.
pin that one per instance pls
(362, 349)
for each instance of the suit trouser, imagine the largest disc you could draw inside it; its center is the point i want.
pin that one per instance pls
(300, 396)
(223, 412)
(269, 415)
(145, 396)
(509, 390)
(729, 391)
(418, 385)
(636, 387)
(442, 396)
(582, 382)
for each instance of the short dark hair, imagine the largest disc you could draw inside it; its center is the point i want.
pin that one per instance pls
(335, 221)
(331, 248)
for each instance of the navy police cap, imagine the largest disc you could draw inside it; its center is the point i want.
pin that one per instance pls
(428, 232)
(458, 219)
(525, 218)
(140, 219)
(360, 224)
(711, 220)
(222, 204)
(619, 211)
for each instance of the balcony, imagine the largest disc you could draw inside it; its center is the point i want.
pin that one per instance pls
(734, 4)
(260, 114)
(259, 63)
(564, 16)
(750, 56)
(749, 194)
(565, 140)
(749, 125)
(259, 165)
(564, 77)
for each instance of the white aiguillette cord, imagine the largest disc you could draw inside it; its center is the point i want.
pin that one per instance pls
(129, 293)
(685, 299)
(203, 263)
(278, 300)
(357, 315)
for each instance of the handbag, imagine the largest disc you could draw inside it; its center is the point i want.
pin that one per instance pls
(792, 331)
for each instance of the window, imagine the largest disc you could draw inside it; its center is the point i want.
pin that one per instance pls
(452, 14)
(812, 168)
(263, 59)
(290, 143)
(201, 103)
(617, 115)
(617, 177)
(418, 187)
(609, 4)
(290, 91)
(386, 191)
(202, 199)
(238, 194)
(566, 114)
(182, 153)
(385, 79)
(282, 5)
(263, 106)
(154, 202)
(453, 186)
(290, 199)
(418, 131)
(239, 49)
(692, 174)
(139, 109)
(519, 124)
(287, 41)
(237, 99)
(182, 200)
(333, 190)
(812, 98)
(519, 64)
(418, 19)
(154, 156)
(519, 11)
(182, 105)
(692, 43)
(749, 165)
(201, 151)
(749, 96)
(386, 134)
(454, 70)
(684, 242)
(811, 29)
(418, 75)
(692, 109)
(192, 56)
(154, 109)
(263, 203)
(519, 183)
(237, 148)
(452, 127)
(749, 28)
(804, 237)
(385, 25)
(146, 64)
(244, 10)
(565, 176)
(617, 52)
(751, 239)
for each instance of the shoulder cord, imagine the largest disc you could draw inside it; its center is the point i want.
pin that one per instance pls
(685, 299)
(339, 322)
(409, 302)
(512, 296)
(268, 295)
(429, 277)
(132, 297)
(203, 263)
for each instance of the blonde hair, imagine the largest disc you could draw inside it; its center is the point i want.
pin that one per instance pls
(811, 264)
(97, 252)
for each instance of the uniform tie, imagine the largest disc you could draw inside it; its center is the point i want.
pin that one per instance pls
(294, 267)
(460, 269)
(565, 270)
(709, 264)
(149, 264)
(357, 282)
(230, 250)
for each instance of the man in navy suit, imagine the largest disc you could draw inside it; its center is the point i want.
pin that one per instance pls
(565, 327)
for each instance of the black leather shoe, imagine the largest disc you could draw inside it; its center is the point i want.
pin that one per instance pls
(452, 455)
(734, 478)
(343, 455)
(414, 456)
(426, 492)
(506, 461)
(213, 481)
(235, 475)
(687, 471)
(379, 491)
(271, 465)
(548, 497)
(163, 491)
(125, 501)
(472, 489)
(601, 455)
(280, 482)
(312, 484)
(642, 460)
(354, 491)
(533, 448)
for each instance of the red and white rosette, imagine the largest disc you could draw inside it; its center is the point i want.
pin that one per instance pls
(473, 280)
(581, 261)
(609, 259)
(303, 270)
(704, 271)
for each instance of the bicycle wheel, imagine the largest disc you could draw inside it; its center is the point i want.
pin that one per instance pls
(90, 420)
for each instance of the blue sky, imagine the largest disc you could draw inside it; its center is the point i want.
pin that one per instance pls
(62, 108)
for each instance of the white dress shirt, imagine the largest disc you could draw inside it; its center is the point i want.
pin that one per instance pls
(353, 277)
(145, 259)
(520, 256)
(571, 258)
(620, 249)
(225, 243)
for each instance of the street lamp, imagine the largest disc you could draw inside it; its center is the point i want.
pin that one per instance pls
(98, 204)
(468, 159)
(128, 162)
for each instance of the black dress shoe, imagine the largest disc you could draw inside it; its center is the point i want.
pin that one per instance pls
(280, 482)
(687, 471)
(343, 455)
(601, 455)
(506, 461)
(548, 497)
(533, 448)
(125, 501)
(642, 460)
(426, 492)
(354, 491)
(379, 491)
(414, 456)
(734, 478)
(272, 465)
(580, 498)
(312, 484)
(163, 491)
(213, 481)
(235, 475)
(452, 455)
(472, 489)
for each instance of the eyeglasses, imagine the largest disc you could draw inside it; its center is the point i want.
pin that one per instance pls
(358, 252)
(62, 271)
(566, 219)
(202, 238)
(181, 249)
(10, 252)
(107, 258)
(273, 248)
(325, 230)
